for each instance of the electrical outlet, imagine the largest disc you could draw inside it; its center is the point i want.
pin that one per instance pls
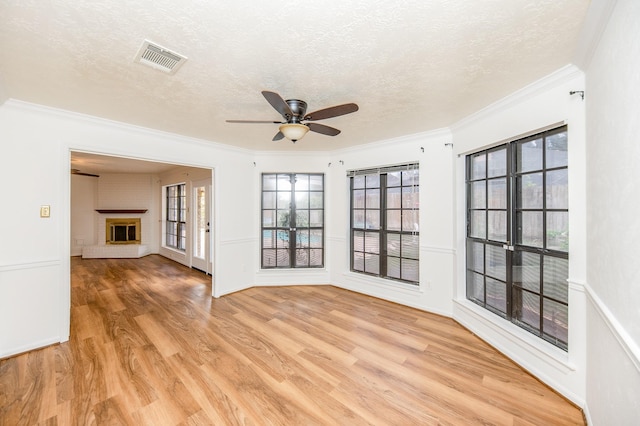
(45, 211)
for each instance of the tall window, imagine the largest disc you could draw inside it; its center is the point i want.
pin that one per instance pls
(176, 216)
(292, 220)
(384, 222)
(518, 233)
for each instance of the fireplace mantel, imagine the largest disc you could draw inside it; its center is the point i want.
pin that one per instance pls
(125, 211)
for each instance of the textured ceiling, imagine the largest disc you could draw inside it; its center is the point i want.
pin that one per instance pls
(411, 66)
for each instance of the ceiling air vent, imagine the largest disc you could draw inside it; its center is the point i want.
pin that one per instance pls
(160, 58)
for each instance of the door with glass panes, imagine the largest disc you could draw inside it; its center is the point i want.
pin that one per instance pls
(518, 233)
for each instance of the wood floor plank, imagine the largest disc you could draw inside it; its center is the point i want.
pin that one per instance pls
(150, 346)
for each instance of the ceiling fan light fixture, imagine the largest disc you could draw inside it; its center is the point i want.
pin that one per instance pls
(294, 131)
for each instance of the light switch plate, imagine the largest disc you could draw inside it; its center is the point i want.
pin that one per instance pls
(45, 211)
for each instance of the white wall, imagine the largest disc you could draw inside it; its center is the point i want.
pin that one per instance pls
(435, 156)
(84, 191)
(543, 103)
(613, 219)
(34, 259)
(127, 191)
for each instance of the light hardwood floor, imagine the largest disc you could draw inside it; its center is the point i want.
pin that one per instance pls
(150, 346)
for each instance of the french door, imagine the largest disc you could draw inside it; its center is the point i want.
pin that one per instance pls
(201, 241)
(517, 233)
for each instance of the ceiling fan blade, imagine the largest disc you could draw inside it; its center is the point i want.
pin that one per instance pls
(254, 121)
(333, 111)
(78, 172)
(278, 103)
(321, 128)
(278, 136)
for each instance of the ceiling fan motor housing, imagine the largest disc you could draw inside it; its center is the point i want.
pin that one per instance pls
(298, 108)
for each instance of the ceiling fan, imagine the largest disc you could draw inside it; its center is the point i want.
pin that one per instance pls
(293, 111)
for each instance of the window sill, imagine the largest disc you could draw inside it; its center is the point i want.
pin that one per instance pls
(383, 283)
(506, 336)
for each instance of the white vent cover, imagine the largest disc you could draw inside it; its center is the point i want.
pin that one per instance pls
(160, 58)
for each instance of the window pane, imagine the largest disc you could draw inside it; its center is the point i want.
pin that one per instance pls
(497, 226)
(410, 270)
(372, 264)
(393, 267)
(316, 218)
(478, 224)
(302, 238)
(284, 183)
(302, 183)
(394, 179)
(557, 189)
(358, 241)
(358, 219)
(357, 198)
(373, 198)
(269, 182)
(410, 246)
(284, 200)
(478, 166)
(393, 246)
(373, 181)
(302, 218)
(315, 239)
(526, 308)
(268, 218)
(316, 183)
(496, 262)
(475, 256)
(282, 239)
(556, 272)
(410, 197)
(497, 193)
(394, 198)
(410, 178)
(558, 231)
(316, 200)
(372, 242)
(497, 163)
(394, 220)
(283, 258)
(496, 295)
(410, 220)
(268, 239)
(302, 200)
(529, 191)
(475, 287)
(372, 219)
(526, 270)
(358, 261)
(268, 258)
(268, 200)
(529, 155)
(555, 321)
(315, 257)
(478, 194)
(556, 152)
(529, 229)
(358, 182)
(302, 257)
(284, 218)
